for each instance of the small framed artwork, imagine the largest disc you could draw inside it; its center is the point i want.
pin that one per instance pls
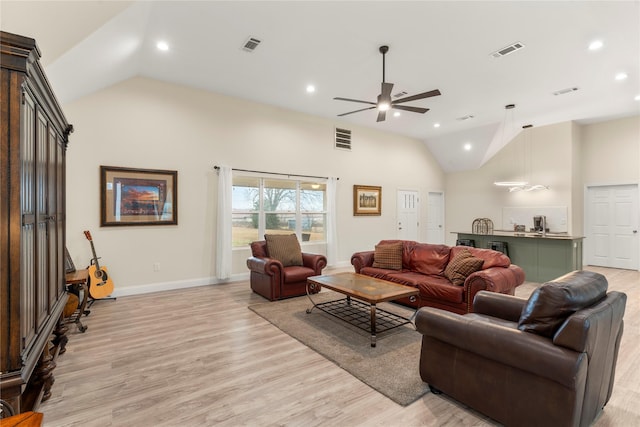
(367, 200)
(138, 196)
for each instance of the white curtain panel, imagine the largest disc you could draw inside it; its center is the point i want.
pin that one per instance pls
(332, 212)
(223, 229)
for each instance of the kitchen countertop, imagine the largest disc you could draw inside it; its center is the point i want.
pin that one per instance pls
(529, 235)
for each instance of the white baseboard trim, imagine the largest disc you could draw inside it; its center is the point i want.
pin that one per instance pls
(191, 283)
(178, 284)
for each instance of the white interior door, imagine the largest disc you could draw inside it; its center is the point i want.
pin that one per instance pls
(435, 218)
(612, 226)
(408, 214)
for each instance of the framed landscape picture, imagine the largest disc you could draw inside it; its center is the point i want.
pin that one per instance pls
(367, 200)
(138, 196)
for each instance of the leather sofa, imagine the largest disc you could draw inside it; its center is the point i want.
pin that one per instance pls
(269, 278)
(424, 265)
(546, 361)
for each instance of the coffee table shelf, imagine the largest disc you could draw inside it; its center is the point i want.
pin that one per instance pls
(359, 314)
(359, 306)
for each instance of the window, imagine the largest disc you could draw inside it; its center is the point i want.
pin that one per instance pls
(277, 206)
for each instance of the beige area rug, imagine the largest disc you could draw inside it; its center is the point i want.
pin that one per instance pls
(390, 368)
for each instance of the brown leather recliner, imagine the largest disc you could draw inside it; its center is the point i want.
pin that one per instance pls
(549, 360)
(273, 281)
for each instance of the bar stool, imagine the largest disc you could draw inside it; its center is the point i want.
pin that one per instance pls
(499, 246)
(466, 242)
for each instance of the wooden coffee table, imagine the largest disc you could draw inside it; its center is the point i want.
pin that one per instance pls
(362, 294)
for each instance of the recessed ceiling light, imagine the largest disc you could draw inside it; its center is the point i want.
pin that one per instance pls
(637, 98)
(436, 125)
(396, 114)
(621, 76)
(163, 46)
(467, 146)
(311, 88)
(595, 45)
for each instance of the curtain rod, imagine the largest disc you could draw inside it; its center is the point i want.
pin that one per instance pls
(276, 173)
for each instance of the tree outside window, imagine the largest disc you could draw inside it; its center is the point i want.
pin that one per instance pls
(277, 206)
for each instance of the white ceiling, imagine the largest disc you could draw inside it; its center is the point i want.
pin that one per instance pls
(445, 45)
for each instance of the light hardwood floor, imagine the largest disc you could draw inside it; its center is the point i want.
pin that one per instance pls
(199, 357)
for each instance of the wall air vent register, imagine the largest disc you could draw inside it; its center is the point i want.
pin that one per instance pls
(343, 139)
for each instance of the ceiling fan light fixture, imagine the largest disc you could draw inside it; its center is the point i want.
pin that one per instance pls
(510, 183)
(385, 102)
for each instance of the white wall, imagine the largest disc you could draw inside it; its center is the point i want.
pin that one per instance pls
(539, 155)
(566, 156)
(611, 152)
(144, 123)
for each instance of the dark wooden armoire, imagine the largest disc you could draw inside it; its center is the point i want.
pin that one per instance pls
(33, 143)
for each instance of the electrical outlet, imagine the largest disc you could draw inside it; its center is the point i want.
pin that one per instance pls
(156, 266)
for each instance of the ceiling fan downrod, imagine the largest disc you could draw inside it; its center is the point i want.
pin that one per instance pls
(383, 50)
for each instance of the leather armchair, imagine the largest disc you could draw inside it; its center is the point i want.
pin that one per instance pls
(557, 369)
(273, 281)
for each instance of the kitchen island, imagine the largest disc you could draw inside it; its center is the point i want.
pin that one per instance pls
(542, 257)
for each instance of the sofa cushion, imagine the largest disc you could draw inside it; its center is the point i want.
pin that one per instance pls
(295, 273)
(433, 286)
(426, 258)
(378, 273)
(461, 266)
(285, 248)
(491, 258)
(550, 304)
(388, 256)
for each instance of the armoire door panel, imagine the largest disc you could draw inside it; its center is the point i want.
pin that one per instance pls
(42, 247)
(33, 143)
(28, 215)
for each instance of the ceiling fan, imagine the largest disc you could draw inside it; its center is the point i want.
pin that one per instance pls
(384, 99)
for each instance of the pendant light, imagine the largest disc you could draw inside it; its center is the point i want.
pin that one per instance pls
(528, 154)
(512, 185)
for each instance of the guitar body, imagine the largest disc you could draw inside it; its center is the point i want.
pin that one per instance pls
(100, 283)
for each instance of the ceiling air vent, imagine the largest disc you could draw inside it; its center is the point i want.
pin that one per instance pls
(400, 94)
(343, 139)
(467, 117)
(251, 44)
(567, 90)
(507, 50)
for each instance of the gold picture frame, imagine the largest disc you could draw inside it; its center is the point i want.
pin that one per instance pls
(138, 196)
(367, 200)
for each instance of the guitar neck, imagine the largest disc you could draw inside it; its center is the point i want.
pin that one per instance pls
(95, 257)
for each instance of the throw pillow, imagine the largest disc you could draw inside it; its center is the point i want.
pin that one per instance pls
(388, 256)
(461, 266)
(285, 248)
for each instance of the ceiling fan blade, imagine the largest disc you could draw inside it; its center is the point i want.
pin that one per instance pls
(412, 109)
(386, 91)
(381, 116)
(356, 111)
(355, 100)
(423, 95)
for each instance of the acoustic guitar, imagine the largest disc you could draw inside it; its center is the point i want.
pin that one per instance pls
(100, 284)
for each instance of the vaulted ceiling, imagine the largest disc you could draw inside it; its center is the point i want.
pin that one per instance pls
(445, 45)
